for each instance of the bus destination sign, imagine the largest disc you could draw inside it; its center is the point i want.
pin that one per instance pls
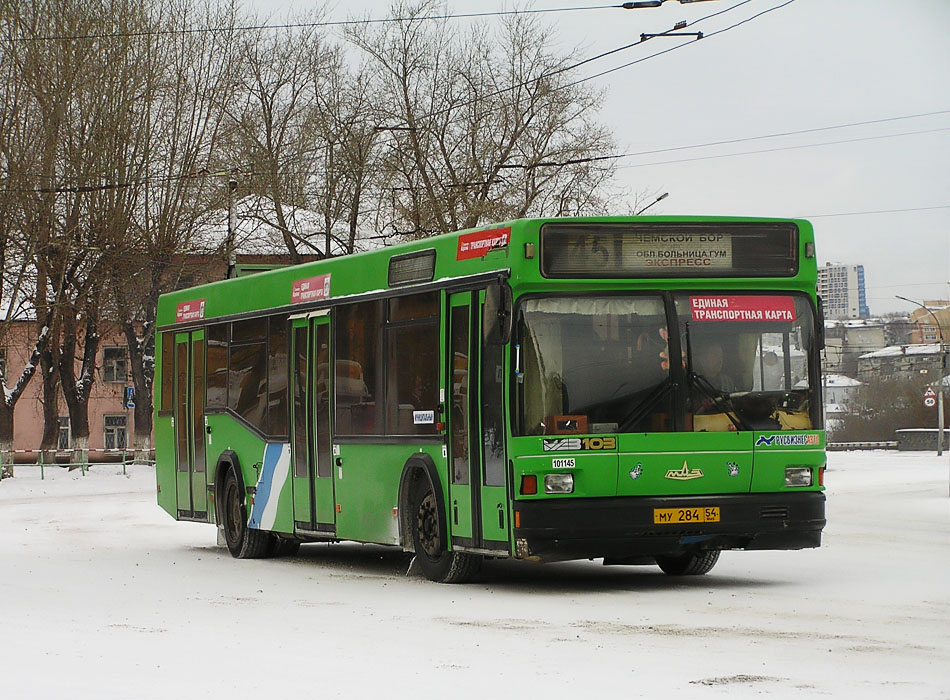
(742, 308)
(677, 250)
(310, 289)
(668, 249)
(190, 311)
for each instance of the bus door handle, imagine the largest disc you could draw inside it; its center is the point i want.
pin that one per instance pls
(501, 517)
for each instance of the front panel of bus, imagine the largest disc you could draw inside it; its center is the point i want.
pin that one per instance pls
(665, 389)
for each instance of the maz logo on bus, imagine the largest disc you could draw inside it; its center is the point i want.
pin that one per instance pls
(572, 444)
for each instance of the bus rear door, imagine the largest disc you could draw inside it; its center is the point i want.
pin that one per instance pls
(310, 408)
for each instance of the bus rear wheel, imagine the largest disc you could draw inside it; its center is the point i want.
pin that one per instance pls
(243, 542)
(429, 542)
(694, 564)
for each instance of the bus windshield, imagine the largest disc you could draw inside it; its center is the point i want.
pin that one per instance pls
(601, 364)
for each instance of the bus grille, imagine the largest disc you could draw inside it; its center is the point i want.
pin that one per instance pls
(774, 513)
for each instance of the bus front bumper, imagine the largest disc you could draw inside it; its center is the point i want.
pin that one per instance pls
(615, 528)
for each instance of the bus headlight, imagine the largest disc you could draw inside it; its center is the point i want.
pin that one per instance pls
(798, 476)
(559, 483)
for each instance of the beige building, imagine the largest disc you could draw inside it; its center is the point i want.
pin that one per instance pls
(110, 421)
(925, 328)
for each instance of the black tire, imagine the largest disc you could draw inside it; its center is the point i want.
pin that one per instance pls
(243, 542)
(695, 564)
(429, 540)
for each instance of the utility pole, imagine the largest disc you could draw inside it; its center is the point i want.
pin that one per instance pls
(940, 373)
(232, 226)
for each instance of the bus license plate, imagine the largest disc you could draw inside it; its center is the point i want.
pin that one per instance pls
(664, 516)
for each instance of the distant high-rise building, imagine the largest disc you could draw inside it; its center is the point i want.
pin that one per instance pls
(841, 288)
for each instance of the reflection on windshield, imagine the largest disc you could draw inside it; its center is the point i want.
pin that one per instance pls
(595, 365)
(746, 359)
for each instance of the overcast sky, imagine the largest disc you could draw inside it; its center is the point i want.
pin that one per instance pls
(810, 64)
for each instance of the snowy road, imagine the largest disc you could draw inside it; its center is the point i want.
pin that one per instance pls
(104, 596)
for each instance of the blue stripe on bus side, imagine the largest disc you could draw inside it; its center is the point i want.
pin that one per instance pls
(274, 469)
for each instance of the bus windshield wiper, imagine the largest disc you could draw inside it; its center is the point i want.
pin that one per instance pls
(721, 401)
(645, 406)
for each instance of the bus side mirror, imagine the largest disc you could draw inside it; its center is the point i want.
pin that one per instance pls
(496, 314)
(821, 325)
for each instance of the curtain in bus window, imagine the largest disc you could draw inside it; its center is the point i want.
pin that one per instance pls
(595, 365)
(356, 381)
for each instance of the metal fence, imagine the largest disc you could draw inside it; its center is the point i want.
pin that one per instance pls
(73, 459)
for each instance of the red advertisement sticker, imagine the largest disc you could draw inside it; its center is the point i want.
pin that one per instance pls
(311, 289)
(742, 308)
(475, 245)
(190, 311)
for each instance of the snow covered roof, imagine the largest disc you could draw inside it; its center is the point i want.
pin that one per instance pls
(256, 232)
(903, 350)
(854, 323)
(836, 380)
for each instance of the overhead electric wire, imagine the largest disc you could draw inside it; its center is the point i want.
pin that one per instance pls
(577, 161)
(878, 211)
(782, 148)
(724, 142)
(679, 46)
(585, 61)
(310, 25)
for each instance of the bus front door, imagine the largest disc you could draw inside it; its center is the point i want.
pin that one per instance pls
(493, 464)
(478, 496)
(310, 443)
(192, 484)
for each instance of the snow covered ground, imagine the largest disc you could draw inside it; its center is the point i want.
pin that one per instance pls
(104, 596)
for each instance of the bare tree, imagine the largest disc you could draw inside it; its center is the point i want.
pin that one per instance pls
(16, 165)
(480, 133)
(268, 126)
(345, 187)
(182, 106)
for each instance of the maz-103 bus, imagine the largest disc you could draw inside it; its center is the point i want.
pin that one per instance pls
(638, 389)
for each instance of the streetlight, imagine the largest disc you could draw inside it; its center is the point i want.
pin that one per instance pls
(661, 197)
(943, 367)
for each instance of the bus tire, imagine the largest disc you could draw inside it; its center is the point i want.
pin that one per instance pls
(693, 564)
(429, 540)
(243, 542)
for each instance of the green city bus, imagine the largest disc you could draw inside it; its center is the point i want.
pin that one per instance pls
(645, 390)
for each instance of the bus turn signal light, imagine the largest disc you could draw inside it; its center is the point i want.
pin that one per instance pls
(529, 484)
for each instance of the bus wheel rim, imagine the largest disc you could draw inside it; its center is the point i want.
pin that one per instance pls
(427, 525)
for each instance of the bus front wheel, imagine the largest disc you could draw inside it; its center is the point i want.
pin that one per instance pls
(694, 564)
(429, 541)
(243, 542)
